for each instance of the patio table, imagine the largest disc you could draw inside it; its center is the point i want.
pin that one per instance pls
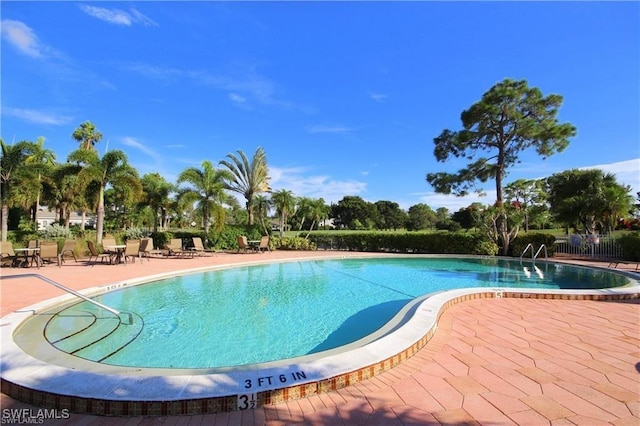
(23, 255)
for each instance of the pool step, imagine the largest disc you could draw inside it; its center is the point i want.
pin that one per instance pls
(101, 350)
(91, 334)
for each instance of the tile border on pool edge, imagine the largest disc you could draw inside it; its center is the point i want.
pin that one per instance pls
(214, 404)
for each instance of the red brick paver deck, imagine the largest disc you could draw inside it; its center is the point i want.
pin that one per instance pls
(491, 362)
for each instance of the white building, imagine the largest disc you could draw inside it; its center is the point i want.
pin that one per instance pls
(46, 217)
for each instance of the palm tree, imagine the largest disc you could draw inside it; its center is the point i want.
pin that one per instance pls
(303, 209)
(261, 204)
(616, 203)
(248, 178)
(156, 192)
(40, 160)
(11, 173)
(284, 202)
(87, 135)
(318, 211)
(64, 191)
(207, 190)
(112, 169)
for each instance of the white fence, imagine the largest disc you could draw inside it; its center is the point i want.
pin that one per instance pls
(585, 245)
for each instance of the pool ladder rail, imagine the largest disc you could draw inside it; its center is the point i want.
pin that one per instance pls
(115, 312)
(534, 256)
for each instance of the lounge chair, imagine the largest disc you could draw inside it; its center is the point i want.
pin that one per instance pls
(131, 251)
(93, 253)
(264, 244)
(48, 251)
(614, 264)
(174, 247)
(7, 255)
(198, 247)
(68, 249)
(147, 248)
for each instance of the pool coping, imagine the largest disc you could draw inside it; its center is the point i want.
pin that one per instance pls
(132, 391)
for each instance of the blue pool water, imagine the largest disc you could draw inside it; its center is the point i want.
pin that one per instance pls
(256, 314)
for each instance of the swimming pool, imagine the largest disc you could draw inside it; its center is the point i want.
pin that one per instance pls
(265, 313)
(33, 366)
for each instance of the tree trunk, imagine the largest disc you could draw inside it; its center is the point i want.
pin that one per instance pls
(100, 218)
(310, 229)
(61, 213)
(249, 214)
(5, 222)
(35, 212)
(282, 225)
(264, 227)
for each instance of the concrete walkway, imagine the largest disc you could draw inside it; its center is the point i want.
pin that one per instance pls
(492, 361)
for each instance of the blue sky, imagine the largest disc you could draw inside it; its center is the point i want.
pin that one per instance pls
(345, 97)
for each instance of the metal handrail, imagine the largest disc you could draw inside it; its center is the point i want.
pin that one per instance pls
(534, 256)
(525, 250)
(540, 249)
(67, 289)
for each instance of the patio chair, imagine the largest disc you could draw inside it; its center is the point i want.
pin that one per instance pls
(264, 244)
(132, 250)
(93, 253)
(68, 249)
(48, 251)
(243, 244)
(109, 242)
(7, 255)
(34, 244)
(198, 247)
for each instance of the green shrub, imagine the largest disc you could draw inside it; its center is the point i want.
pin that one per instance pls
(441, 242)
(291, 243)
(536, 239)
(228, 238)
(630, 244)
(55, 232)
(161, 239)
(135, 234)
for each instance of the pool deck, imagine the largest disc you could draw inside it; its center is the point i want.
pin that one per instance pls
(491, 361)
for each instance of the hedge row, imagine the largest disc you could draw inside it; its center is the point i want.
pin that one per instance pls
(437, 242)
(630, 244)
(536, 239)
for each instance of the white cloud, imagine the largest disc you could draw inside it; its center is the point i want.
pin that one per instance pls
(149, 162)
(36, 117)
(302, 184)
(243, 84)
(142, 19)
(237, 98)
(159, 73)
(117, 16)
(134, 143)
(451, 202)
(379, 97)
(239, 101)
(22, 37)
(242, 81)
(329, 129)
